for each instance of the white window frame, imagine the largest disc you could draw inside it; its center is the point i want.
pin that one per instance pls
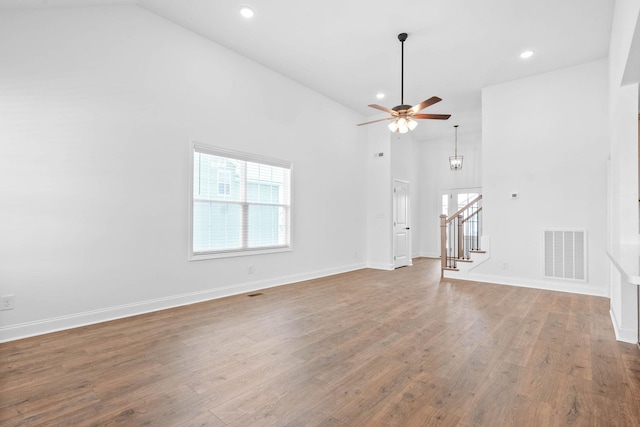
(248, 157)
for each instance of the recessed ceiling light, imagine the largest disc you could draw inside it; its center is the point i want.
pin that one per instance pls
(380, 95)
(247, 12)
(526, 54)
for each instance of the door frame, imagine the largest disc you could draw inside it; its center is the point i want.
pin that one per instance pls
(408, 224)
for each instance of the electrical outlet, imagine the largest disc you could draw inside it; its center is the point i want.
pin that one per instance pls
(250, 269)
(7, 302)
(505, 265)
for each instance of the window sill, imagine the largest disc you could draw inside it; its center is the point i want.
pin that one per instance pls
(218, 255)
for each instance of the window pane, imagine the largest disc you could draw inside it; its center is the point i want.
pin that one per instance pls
(216, 226)
(445, 204)
(267, 184)
(216, 178)
(224, 182)
(267, 226)
(465, 198)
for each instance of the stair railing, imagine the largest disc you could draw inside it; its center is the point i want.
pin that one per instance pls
(460, 234)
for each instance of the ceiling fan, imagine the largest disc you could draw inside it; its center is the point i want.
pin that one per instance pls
(403, 115)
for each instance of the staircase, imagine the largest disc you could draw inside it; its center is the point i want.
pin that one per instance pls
(462, 246)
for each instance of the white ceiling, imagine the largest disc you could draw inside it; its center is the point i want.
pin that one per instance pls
(348, 49)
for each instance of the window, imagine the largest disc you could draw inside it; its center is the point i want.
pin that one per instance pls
(224, 182)
(240, 204)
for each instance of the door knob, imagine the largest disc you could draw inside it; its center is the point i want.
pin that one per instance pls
(407, 228)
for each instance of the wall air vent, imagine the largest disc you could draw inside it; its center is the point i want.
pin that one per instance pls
(565, 254)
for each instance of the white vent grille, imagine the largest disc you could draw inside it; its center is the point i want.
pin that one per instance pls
(565, 254)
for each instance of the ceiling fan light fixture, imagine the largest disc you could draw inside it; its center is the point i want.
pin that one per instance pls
(402, 125)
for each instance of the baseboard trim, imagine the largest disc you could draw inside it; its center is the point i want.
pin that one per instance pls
(624, 335)
(380, 266)
(428, 255)
(61, 323)
(537, 284)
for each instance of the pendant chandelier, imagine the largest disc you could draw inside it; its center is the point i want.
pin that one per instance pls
(455, 161)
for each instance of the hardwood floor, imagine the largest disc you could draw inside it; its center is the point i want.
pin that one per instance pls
(366, 348)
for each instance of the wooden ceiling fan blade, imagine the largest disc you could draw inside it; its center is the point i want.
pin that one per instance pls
(431, 116)
(385, 109)
(375, 121)
(424, 104)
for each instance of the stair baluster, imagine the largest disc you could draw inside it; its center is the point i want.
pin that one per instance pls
(460, 234)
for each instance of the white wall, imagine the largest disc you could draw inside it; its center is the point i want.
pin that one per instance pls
(397, 162)
(623, 164)
(378, 200)
(545, 137)
(405, 168)
(98, 108)
(436, 176)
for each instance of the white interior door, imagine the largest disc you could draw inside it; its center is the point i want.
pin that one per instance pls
(401, 224)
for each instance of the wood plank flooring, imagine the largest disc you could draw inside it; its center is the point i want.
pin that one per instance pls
(366, 348)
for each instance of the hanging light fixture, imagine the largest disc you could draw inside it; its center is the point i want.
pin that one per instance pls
(455, 161)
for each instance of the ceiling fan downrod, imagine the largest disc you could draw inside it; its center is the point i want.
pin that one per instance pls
(402, 37)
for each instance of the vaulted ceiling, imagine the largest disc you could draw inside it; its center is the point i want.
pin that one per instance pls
(349, 51)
